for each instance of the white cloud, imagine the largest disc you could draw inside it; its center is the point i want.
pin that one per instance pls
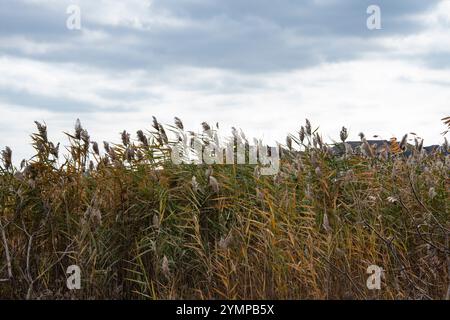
(69, 81)
(433, 38)
(378, 97)
(29, 46)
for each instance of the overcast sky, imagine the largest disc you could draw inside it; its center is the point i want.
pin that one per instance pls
(263, 66)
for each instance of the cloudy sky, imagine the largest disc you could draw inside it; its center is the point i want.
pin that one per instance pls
(263, 66)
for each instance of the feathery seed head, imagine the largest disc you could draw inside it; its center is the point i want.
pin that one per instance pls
(432, 193)
(214, 184)
(165, 266)
(225, 242)
(194, 183)
(155, 221)
(85, 136)
(235, 134)
(179, 123)
(302, 134)
(289, 142)
(326, 223)
(129, 153)
(95, 148)
(106, 146)
(308, 128)
(125, 138)
(362, 136)
(54, 150)
(367, 149)
(403, 142)
(78, 129)
(23, 164)
(7, 157)
(155, 124)
(163, 135)
(142, 138)
(42, 128)
(206, 126)
(112, 154)
(344, 134)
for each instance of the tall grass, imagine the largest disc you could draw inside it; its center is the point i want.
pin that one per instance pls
(141, 227)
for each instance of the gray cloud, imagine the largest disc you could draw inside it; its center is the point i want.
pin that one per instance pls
(53, 104)
(246, 36)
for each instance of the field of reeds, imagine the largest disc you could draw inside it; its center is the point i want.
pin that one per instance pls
(141, 227)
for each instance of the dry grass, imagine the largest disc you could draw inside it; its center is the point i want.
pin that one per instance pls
(141, 227)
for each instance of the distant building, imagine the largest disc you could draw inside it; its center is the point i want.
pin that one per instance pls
(378, 146)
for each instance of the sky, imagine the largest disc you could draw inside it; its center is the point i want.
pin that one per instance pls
(263, 66)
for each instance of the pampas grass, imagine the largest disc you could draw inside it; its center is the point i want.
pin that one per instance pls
(141, 227)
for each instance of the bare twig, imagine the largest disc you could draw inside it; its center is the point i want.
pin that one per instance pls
(417, 227)
(360, 292)
(30, 279)
(416, 196)
(396, 257)
(447, 244)
(30, 288)
(7, 255)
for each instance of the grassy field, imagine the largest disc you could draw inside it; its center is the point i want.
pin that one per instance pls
(141, 227)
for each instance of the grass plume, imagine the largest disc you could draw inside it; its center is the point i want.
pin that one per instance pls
(141, 227)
